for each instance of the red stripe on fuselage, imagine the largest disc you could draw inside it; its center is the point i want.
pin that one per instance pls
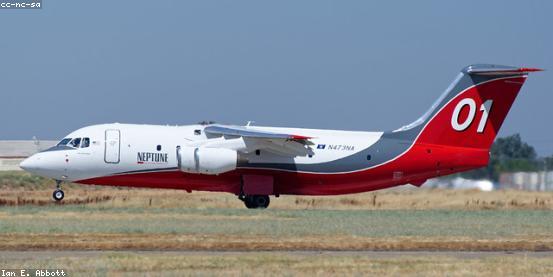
(419, 163)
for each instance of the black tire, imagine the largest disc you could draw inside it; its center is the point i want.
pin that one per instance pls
(248, 201)
(261, 201)
(58, 195)
(257, 201)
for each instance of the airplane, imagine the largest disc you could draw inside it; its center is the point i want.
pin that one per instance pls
(255, 162)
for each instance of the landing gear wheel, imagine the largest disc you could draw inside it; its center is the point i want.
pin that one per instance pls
(261, 201)
(257, 201)
(58, 195)
(249, 203)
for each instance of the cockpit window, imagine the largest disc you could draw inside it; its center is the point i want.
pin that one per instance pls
(85, 143)
(75, 142)
(64, 141)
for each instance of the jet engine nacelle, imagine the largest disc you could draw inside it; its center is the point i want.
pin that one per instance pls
(204, 160)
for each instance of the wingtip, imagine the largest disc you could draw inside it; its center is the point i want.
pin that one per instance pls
(298, 137)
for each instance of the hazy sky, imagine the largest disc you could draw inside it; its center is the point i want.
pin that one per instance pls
(361, 65)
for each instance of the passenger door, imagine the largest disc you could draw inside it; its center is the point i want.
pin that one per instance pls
(112, 146)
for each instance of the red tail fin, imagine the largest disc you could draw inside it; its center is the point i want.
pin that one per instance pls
(474, 109)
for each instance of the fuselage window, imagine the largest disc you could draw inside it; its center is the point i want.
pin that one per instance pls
(158, 148)
(197, 132)
(64, 141)
(75, 142)
(85, 143)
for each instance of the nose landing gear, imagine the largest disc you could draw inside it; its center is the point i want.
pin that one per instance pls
(58, 193)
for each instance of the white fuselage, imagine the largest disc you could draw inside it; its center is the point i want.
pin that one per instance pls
(109, 155)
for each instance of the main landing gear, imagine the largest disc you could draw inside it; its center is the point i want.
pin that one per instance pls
(255, 191)
(256, 201)
(58, 193)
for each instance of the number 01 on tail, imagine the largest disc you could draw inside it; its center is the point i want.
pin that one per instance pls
(471, 105)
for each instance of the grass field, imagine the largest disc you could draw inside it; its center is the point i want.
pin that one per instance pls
(115, 219)
(100, 228)
(285, 263)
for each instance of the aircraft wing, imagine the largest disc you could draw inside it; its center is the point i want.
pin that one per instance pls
(227, 130)
(286, 144)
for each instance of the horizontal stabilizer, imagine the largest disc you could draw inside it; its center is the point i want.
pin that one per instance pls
(491, 69)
